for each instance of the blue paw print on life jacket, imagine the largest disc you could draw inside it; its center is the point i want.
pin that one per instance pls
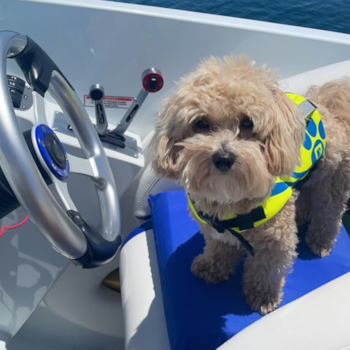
(312, 128)
(307, 141)
(319, 147)
(321, 130)
(318, 151)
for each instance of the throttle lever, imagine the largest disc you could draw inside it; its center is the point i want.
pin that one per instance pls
(152, 81)
(97, 94)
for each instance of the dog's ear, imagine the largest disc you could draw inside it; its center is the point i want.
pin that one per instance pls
(162, 151)
(283, 145)
(165, 164)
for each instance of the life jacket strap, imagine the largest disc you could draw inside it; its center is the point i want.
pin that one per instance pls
(245, 220)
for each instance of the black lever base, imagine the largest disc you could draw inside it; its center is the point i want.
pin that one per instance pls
(114, 139)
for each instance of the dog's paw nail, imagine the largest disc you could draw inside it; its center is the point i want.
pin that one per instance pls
(322, 252)
(263, 303)
(267, 308)
(319, 249)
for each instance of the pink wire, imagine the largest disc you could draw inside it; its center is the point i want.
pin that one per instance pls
(2, 230)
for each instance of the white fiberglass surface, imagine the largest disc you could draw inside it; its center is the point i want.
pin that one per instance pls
(112, 44)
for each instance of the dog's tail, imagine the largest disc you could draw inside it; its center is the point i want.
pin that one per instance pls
(335, 96)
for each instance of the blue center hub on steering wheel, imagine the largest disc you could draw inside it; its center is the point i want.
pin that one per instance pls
(52, 151)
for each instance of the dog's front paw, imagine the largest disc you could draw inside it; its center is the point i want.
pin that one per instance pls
(321, 249)
(210, 269)
(262, 301)
(264, 307)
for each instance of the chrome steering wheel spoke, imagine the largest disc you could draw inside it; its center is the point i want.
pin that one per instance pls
(39, 109)
(80, 165)
(63, 192)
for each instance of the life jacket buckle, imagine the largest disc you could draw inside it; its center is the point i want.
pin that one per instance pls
(216, 224)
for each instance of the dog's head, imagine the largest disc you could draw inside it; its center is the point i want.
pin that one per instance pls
(227, 132)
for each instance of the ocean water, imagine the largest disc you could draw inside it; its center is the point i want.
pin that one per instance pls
(333, 15)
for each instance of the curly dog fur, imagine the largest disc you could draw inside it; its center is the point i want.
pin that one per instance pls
(232, 106)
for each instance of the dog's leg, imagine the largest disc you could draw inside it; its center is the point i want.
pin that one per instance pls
(303, 208)
(275, 251)
(218, 261)
(329, 197)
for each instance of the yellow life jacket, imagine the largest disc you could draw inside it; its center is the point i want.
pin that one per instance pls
(312, 150)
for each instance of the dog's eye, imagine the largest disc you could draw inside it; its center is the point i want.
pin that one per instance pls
(247, 123)
(202, 125)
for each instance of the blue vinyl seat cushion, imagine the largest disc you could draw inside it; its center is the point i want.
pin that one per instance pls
(201, 316)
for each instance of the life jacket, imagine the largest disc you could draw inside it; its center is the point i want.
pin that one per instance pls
(312, 150)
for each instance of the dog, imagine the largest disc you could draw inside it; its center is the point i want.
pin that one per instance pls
(230, 136)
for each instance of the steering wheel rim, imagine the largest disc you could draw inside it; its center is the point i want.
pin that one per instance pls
(76, 240)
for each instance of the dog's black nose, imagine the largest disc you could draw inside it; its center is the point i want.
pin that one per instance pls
(223, 160)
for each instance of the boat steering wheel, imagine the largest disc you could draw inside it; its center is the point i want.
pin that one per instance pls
(29, 173)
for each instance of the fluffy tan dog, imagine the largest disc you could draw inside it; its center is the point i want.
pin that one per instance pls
(227, 133)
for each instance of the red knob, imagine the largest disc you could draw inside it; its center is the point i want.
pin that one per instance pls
(152, 80)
